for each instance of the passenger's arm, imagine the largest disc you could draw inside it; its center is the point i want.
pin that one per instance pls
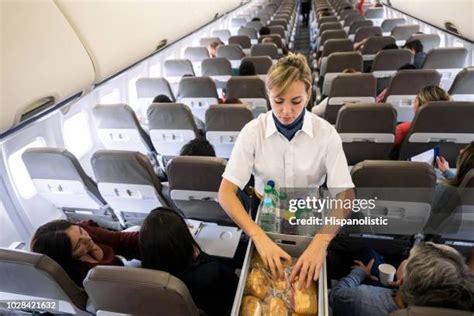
(271, 254)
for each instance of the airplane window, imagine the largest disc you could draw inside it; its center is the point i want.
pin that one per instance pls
(132, 93)
(9, 233)
(77, 136)
(111, 98)
(20, 176)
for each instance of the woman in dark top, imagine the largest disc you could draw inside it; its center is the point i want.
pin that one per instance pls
(77, 248)
(166, 244)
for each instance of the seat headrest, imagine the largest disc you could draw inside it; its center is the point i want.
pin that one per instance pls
(410, 81)
(382, 118)
(227, 117)
(352, 85)
(463, 82)
(188, 172)
(138, 291)
(446, 57)
(246, 87)
(115, 116)
(151, 87)
(434, 117)
(196, 53)
(178, 67)
(197, 87)
(216, 67)
(171, 116)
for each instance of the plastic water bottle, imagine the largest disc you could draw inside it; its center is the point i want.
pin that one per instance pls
(267, 216)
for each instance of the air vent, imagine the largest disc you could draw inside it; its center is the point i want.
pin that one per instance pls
(37, 107)
(161, 44)
(451, 27)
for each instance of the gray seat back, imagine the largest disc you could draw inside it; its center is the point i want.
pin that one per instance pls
(429, 311)
(171, 126)
(196, 54)
(330, 34)
(127, 181)
(388, 61)
(194, 197)
(279, 30)
(337, 46)
(374, 44)
(367, 131)
(403, 191)
(448, 61)
(403, 32)
(349, 89)
(432, 127)
(198, 93)
(351, 18)
(389, 24)
(138, 292)
(175, 69)
(336, 63)
(256, 25)
(276, 39)
(242, 40)
(366, 32)
(223, 35)
(148, 88)
(118, 128)
(216, 67)
(345, 13)
(461, 89)
(248, 31)
(358, 24)
(261, 63)
(329, 26)
(404, 87)
(270, 50)
(232, 52)
(326, 19)
(374, 13)
(235, 23)
(205, 41)
(276, 22)
(34, 275)
(223, 125)
(429, 41)
(250, 90)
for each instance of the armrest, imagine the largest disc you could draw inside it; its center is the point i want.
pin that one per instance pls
(19, 245)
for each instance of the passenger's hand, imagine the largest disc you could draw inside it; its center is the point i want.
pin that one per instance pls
(309, 263)
(271, 254)
(367, 268)
(442, 163)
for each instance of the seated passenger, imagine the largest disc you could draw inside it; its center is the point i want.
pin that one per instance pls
(233, 101)
(433, 275)
(161, 98)
(77, 248)
(264, 30)
(446, 196)
(320, 108)
(267, 40)
(416, 47)
(247, 68)
(425, 95)
(166, 244)
(212, 48)
(198, 147)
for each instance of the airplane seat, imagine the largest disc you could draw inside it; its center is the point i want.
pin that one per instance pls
(349, 89)
(236, 23)
(376, 14)
(250, 90)
(138, 292)
(118, 128)
(448, 61)
(223, 35)
(261, 63)
(429, 41)
(389, 24)
(196, 198)
(351, 18)
(219, 69)
(434, 126)
(242, 40)
(373, 45)
(223, 125)
(404, 87)
(345, 13)
(58, 177)
(403, 32)
(171, 125)
(256, 25)
(127, 181)
(330, 34)
(367, 131)
(429, 311)
(366, 32)
(461, 89)
(249, 31)
(196, 55)
(334, 46)
(358, 24)
(279, 30)
(205, 41)
(329, 26)
(198, 93)
(35, 275)
(276, 39)
(149, 88)
(175, 69)
(336, 63)
(279, 22)
(326, 19)
(270, 50)
(386, 64)
(232, 52)
(403, 191)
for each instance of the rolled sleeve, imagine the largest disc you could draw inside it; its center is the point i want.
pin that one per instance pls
(239, 167)
(338, 175)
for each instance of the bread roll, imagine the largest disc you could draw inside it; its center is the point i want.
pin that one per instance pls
(257, 283)
(250, 306)
(257, 261)
(277, 307)
(305, 300)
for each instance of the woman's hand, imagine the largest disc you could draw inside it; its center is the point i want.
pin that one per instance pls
(366, 268)
(309, 263)
(271, 254)
(442, 163)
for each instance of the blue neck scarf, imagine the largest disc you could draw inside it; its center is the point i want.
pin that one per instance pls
(289, 131)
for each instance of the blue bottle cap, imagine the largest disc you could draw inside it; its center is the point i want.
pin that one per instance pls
(271, 183)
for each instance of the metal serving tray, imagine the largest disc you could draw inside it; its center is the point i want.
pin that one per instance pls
(294, 246)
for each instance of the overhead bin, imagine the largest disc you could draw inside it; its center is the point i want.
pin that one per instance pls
(119, 33)
(42, 59)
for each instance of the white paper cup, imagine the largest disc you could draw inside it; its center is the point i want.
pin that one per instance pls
(386, 273)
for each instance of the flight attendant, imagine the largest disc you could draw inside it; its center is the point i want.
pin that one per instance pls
(294, 148)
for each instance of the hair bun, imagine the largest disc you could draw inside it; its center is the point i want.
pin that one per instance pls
(295, 60)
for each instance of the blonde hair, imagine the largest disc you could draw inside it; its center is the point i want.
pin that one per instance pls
(432, 93)
(287, 70)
